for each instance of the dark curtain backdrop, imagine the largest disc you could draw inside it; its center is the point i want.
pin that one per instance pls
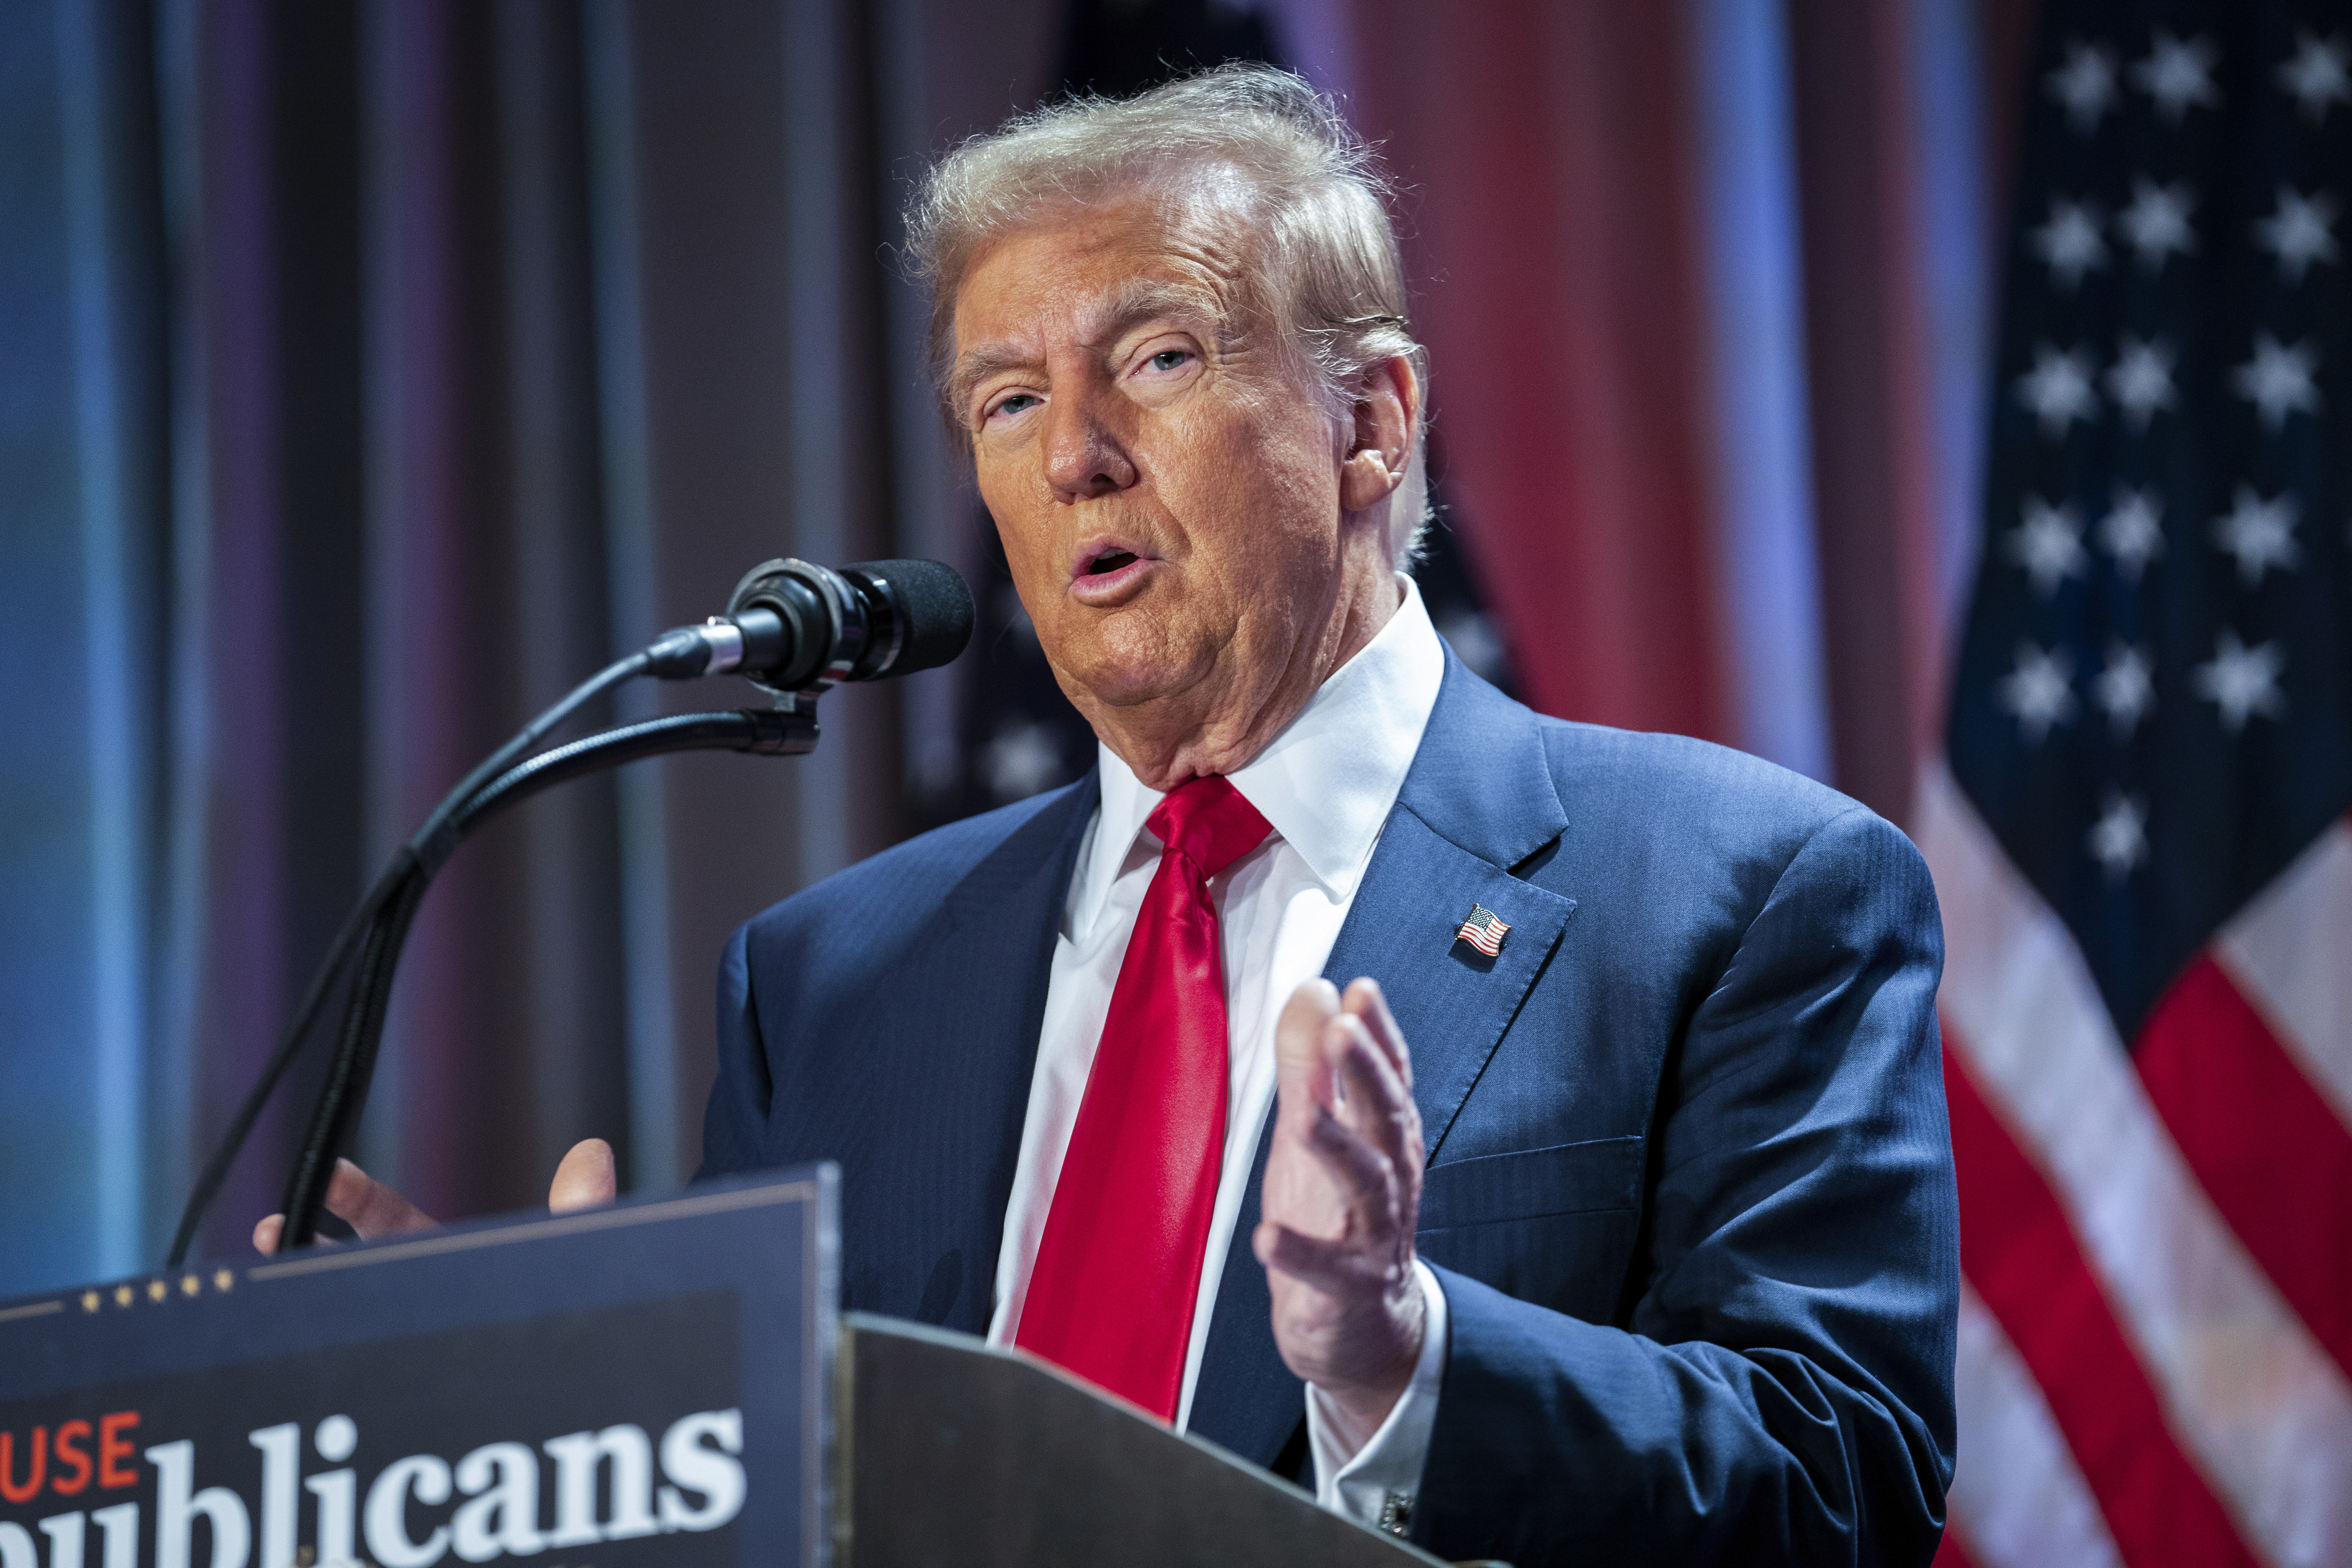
(446, 349)
(375, 371)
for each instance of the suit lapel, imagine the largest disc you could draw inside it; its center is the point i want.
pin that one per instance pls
(1478, 800)
(1001, 921)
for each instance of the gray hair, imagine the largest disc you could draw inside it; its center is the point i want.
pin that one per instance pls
(1330, 267)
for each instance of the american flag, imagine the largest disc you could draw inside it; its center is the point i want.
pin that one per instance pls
(1482, 931)
(2139, 835)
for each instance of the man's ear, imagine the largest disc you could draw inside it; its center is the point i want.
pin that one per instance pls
(1385, 415)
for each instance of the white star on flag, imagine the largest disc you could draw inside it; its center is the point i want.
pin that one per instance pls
(2070, 243)
(2086, 84)
(2259, 533)
(2318, 74)
(2156, 223)
(2058, 389)
(2177, 74)
(2040, 691)
(2124, 691)
(2297, 234)
(2278, 380)
(2140, 381)
(2241, 681)
(2048, 543)
(2118, 840)
(2133, 529)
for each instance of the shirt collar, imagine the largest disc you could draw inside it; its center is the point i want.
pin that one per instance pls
(1326, 784)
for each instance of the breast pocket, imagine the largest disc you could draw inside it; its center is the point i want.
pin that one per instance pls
(1554, 1226)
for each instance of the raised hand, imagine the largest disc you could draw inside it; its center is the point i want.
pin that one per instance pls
(1342, 1197)
(585, 1179)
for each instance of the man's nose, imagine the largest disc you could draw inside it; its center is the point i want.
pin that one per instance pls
(1083, 457)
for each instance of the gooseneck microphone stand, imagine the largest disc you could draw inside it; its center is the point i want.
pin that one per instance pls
(793, 629)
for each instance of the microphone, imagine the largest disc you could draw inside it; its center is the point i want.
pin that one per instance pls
(795, 627)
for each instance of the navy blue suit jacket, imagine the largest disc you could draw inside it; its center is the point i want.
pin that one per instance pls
(1689, 1189)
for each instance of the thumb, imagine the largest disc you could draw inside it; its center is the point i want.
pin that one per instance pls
(585, 1179)
(1302, 1069)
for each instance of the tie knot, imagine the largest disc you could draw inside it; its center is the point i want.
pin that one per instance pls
(1207, 821)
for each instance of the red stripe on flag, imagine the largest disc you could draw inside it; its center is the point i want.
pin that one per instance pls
(2019, 1251)
(2271, 1154)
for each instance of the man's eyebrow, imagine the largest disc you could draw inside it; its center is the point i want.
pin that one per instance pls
(978, 366)
(1140, 299)
(1147, 299)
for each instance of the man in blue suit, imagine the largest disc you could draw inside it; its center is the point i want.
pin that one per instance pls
(1608, 1215)
(1686, 1189)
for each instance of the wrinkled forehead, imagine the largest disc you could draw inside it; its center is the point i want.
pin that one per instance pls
(1083, 271)
(1143, 239)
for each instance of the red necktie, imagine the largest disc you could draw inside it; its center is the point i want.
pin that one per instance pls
(1118, 1267)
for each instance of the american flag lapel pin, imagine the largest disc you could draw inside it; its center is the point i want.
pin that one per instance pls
(1482, 931)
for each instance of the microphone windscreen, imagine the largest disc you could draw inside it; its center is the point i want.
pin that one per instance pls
(936, 604)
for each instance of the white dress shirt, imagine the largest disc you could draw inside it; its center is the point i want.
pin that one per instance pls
(1326, 784)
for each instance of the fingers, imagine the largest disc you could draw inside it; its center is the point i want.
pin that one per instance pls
(271, 1230)
(1301, 1072)
(370, 1208)
(1365, 1001)
(361, 1202)
(1370, 1147)
(1366, 1176)
(586, 1178)
(1377, 1102)
(1334, 1267)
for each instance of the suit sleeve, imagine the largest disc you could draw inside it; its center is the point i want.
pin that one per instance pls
(1779, 1389)
(734, 1123)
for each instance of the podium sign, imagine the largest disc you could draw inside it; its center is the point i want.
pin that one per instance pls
(649, 1383)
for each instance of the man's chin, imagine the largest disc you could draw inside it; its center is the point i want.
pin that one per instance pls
(1125, 681)
(1126, 689)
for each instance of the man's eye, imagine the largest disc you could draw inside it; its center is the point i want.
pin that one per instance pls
(1169, 358)
(1018, 403)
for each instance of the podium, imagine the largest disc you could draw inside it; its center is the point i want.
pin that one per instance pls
(954, 1453)
(659, 1381)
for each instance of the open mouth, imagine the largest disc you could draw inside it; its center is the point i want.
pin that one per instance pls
(1104, 573)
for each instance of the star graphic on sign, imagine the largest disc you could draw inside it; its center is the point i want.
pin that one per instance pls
(2278, 380)
(2086, 84)
(2048, 543)
(2058, 389)
(2156, 223)
(2133, 530)
(2297, 234)
(2118, 840)
(2241, 681)
(2124, 691)
(2070, 244)
(2259, 533)
(2040, 691)
(2318, 74)
(2140, 381)
(2177, 74)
